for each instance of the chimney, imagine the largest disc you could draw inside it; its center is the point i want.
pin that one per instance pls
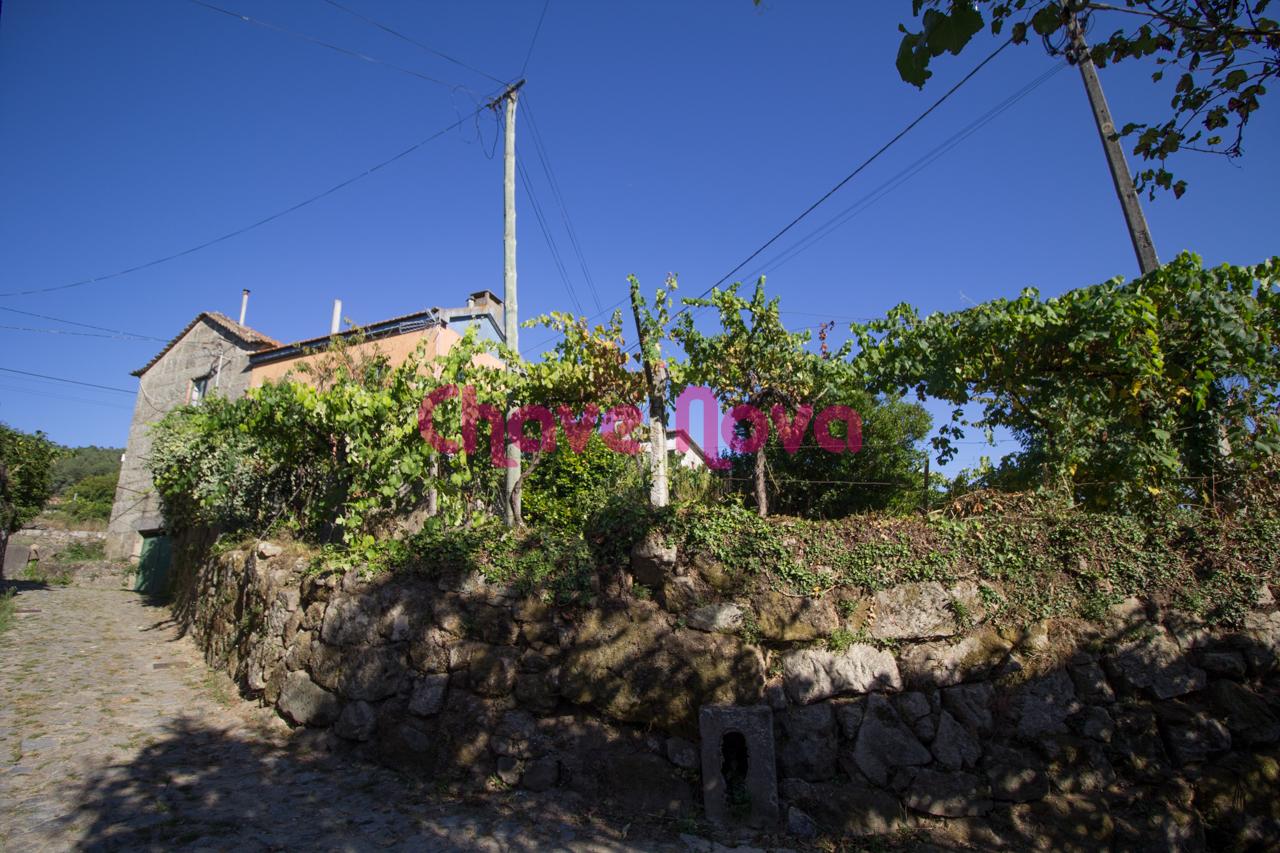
(244, 304)
(336, 322)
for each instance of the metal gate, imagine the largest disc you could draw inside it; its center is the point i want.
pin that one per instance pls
(153, 565)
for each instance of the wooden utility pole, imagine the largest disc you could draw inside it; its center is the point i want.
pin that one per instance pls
(511, 316)
(1143, 245)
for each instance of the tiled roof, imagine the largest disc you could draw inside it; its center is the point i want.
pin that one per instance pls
(252, 337)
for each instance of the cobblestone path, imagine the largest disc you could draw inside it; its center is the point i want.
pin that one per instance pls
(114, 735)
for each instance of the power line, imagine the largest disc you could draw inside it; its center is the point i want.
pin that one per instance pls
(313, 40)
(129, 338)
(68, 381)
(37, 393)
(534, 40)
(545, 159)
(413, 41)
(236, 233)
(906, 174)
(81, 325)
(863, 165)
(546, 235)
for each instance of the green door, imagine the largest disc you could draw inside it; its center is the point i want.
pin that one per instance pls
(153, 565)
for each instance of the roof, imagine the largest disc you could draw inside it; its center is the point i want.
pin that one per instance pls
(251, 337)
(383, 328)
(673, 434)
(394, 325)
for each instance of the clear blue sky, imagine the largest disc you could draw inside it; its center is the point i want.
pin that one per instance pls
(682, 136)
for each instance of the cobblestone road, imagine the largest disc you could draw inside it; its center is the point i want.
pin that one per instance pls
(114, 735)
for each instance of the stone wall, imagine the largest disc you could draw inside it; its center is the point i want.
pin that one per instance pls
(46, 543)
(206, 349)
(1145, 730)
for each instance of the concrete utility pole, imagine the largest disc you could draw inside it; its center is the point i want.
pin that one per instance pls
(1143, 245)
(511, 317)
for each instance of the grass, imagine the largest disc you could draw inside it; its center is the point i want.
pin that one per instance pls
(33, 572)
(82, 552)
(56, 519)
(1036, 561)
(7, 608)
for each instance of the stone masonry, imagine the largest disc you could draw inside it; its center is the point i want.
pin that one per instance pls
(1143, 730)
(212, 346)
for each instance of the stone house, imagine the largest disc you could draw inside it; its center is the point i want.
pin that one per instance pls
(216, 355)
(209, 356)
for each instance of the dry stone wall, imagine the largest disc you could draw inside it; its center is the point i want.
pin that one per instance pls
(1146, 730)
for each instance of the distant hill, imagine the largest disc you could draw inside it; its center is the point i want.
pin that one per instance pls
(82, 462)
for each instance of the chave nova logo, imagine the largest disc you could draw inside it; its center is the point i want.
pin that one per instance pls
(619, 422)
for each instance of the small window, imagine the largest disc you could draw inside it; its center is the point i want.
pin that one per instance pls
(199, 389)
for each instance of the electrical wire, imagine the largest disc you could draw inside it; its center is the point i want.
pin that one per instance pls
(81, 325)
(858, 170)
(863, 165)
(546, 234)
(428, 48)
(320, 43)
(904, 175)
(38, 393)
(534, 40)
(68, 381)
(129, 338)
(237, 232)
(541, 150)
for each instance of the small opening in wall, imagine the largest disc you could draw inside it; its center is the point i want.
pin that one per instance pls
(733, 767)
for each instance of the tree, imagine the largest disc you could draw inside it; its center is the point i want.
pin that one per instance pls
(753, 361)
(1167, 386)
(566, 488)
(77, 463)
(26, 467)
(91, 497)
(885, 475)
(1223, 51)
(651, 328)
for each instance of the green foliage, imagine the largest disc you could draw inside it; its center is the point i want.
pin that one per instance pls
(26, 468)
(566, 488)
(1121, 393)
(884, 475)
(1038, 559)
(35, 573)
(337, 458)
(7, 608)
(82, 552)
(754, 360)
(78, 463)
(91, 497)
(588, 364)
(841, 639)
(556, 565)
(1223, 51)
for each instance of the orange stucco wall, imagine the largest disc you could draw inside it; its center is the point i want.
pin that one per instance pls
(397, 348)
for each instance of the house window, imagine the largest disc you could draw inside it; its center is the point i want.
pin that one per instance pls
(199, 389)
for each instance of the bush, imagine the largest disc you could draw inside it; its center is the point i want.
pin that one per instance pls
(91, 498)
(566, 488)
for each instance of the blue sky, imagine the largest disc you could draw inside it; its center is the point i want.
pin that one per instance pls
(681, 135)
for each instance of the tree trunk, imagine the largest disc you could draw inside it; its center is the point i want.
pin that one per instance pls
(762, 496)
(433, 493)
(655, 375)
(659, 490)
